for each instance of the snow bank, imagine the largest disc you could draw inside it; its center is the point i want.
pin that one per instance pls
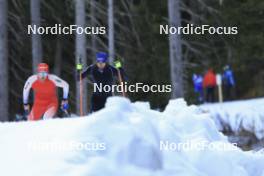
(124, 139)
(239, 115)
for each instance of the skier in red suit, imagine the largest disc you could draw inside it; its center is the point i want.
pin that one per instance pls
(44, 86)
(209, 83)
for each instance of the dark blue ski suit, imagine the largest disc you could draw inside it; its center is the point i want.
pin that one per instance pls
(106, 76)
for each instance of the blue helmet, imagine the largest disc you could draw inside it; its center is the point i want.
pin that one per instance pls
(101, 57)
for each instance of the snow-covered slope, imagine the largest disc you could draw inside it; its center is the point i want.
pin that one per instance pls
(239, 115)
(125, 139)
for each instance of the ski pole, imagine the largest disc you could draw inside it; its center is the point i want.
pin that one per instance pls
(219, 85)
(79, 68)
(121, 82)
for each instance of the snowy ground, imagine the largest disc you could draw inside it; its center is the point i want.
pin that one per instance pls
(245, 115)
(125, 139)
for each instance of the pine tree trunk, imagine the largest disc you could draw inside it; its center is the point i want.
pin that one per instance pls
(111, 44)
(80, 52)
(36, 39)
(176, 62)
(93, 23)
(3, 62)
(58, 56)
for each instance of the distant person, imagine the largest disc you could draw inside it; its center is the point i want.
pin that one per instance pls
(228, 83)
(198, 86)
(209, 84)
(102, 73)
(45, 94)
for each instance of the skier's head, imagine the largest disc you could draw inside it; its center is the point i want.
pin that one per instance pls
(101, 59)
(195, 76)
(226, 67)
(43, 71)
(211, 70)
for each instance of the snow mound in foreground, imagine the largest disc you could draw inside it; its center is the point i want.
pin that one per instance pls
(245, 115)
(125, 139)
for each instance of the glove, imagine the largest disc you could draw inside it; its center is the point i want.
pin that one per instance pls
(117, 64)
(26, 107)
(64, 104)
(79, 67)
(26, 110)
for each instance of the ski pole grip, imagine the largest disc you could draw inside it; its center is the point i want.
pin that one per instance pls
(79, 66)
(118, 64)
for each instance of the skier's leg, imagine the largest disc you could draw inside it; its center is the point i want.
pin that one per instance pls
(92, 103)
(200, 92)
(51, 111)
(36, 112)
(210, 94)
(207, 94)
(95, 103)
(98, 102)
(227, 88)
(213, 94)
(103, 101)
(233, 93)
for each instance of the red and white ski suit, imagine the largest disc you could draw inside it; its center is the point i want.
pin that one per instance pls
(45, 95)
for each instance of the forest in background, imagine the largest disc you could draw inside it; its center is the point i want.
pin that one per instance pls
(144, 52)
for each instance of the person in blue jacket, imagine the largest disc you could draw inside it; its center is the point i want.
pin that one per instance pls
(198, 86)
(228, 83)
